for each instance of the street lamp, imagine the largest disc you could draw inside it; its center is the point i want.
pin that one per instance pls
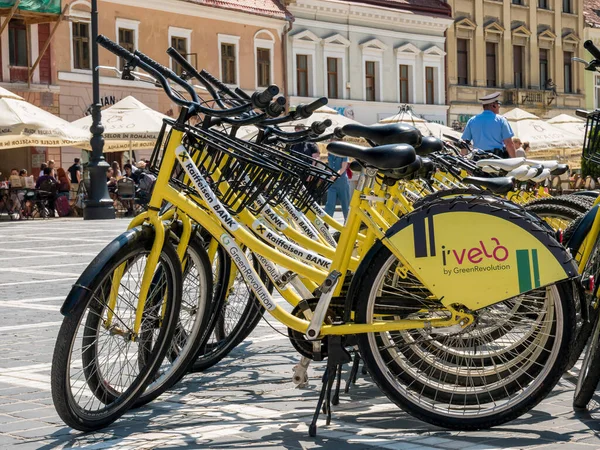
(99, 205)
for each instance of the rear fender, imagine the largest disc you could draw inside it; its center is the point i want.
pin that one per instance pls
(474, 253)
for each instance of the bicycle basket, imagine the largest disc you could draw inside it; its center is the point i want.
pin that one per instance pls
(591, 143)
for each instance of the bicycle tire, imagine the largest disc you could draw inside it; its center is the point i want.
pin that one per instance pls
(113, 402)
(557, 216)
(187, 340)
(228, 334)
(589, 375)
(578, 203)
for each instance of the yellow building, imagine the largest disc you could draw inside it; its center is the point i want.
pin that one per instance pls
(522, 48)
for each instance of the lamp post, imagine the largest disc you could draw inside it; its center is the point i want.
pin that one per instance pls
(99, 205)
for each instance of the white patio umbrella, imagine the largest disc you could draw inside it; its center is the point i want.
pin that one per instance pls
(426, 128)
(540, 134)
(571, 124)
(128, 125)
(23, 124)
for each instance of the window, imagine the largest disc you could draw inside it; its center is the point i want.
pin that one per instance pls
(263, 61)
(179, 44)
(404, 84)
(566, 6)
(544, 4)
(518, 65)
(228, 63)
(81, 45)
(126, 40)
(569, 88)
(463, 61)
(517, 2)
(17, 42)
(302, 75)
(544, 75)
(370, 80)
(429, 86)
(597, 92)
(490, 64)
(332, 78)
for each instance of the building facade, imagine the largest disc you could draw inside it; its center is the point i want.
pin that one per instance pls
(240, 42)
(369, 57)
(591, 13)
(522, 48)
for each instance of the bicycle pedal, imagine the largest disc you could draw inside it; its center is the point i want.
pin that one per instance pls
(328, 284)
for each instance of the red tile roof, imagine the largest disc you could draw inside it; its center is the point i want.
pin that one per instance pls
(268, 8)
(428, 7)
(591, 12)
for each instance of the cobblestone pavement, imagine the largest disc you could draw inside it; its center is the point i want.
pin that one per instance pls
(247, 401)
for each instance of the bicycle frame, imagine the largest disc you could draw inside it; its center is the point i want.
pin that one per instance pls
(227, 230)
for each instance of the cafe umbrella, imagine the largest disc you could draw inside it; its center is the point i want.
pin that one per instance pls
(25, 125)
(128, 125)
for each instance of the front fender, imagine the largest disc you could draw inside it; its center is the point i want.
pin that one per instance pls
(91, 275)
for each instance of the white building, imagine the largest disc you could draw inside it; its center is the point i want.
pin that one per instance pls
(369, 56)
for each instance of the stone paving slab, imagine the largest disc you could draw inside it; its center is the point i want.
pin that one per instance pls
(247, 401)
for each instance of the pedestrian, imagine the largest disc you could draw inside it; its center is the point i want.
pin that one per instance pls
(489, 131)
(42, 168)
(75, 171)
(525, 147)
(339, 191)
(306, 148)
(51, 167)
(519, 151)
(64, 185)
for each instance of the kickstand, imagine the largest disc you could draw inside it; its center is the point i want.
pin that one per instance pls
(337, 356)
(336, 394)
(353, 372)
(312, 429)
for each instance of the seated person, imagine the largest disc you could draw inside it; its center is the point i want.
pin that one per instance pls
(46, 176)
(111, 182)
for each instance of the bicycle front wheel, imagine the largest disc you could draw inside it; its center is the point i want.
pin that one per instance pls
(589, 375)
(100, 366)
(490, 373)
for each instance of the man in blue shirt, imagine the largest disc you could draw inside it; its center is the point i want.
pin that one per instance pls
(489, 131)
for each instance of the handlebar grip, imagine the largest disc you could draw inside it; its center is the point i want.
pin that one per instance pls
(215, 81)
(181, 60)
(581, 113)
(165, 72)
(305, 111)
(338, 132)
(262, 99)
(320, 127)
(590, 47)
(115, 48)
(274, 109)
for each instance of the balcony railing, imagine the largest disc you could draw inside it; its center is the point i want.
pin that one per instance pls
(529, 97)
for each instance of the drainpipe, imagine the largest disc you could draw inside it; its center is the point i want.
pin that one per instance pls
(286, 29)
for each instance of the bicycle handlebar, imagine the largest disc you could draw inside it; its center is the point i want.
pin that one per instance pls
(590, 47)
(305, 111)
(162, 73)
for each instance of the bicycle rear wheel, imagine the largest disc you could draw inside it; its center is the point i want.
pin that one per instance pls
(99, 367)
(498, 369)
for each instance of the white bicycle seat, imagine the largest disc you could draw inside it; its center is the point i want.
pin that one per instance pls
(490, 169)
(504, 164)
(546, 164)
(521, 173)
(542, 176)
